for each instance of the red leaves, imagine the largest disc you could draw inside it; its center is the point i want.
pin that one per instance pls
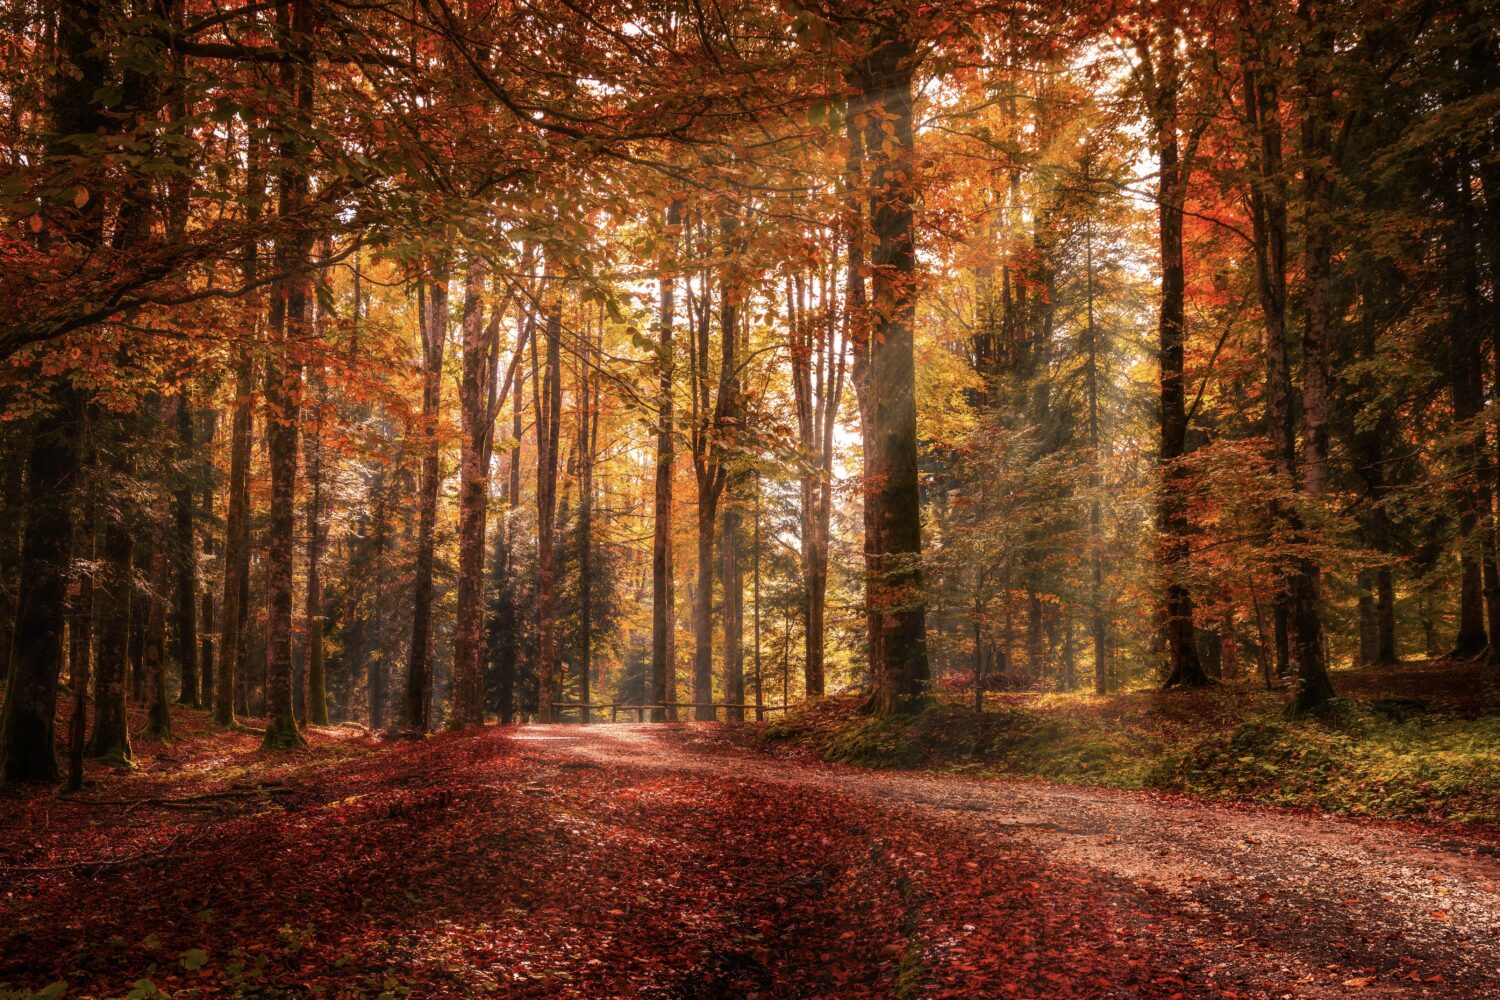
(474, 863)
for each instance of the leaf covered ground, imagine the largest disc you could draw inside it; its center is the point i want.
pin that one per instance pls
(491, 863)
(1417, 742)
(669, 862)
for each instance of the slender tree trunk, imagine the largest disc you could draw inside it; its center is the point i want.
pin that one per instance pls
(113, 611)
(508, 619)
(206, 623)
(548, 427)
(154, 653)
(899, 662)
(317, 680)
(81, 623)
(479, 345)
(663, 584)
(433, 310)
(732, 585)
(1098, 619)
(588, 406)
(760, 690)
(703, 614)
(185, 552)
(233, 607)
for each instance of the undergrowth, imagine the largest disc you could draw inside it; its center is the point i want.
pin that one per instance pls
(1373, 754)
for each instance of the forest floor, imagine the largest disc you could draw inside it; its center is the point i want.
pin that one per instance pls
(1416, 741)
(682, 862)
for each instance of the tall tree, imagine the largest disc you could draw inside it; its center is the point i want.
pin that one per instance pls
(882, 75)
(432, 309)
(663, 583)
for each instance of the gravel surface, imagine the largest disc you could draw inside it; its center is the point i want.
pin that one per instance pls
(1279, 903)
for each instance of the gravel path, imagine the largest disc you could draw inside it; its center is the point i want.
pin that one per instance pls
(1282, 903)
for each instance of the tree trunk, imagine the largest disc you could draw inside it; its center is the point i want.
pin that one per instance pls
(663, 583)
(899, 662)
(316, 699)
(703, 615)
(732, 586)
(507, 618)
(1183, 666)
(1314, 689)
(185, 551)
(206, 621)
(588, 410)
(154, 652)
(549, 420)
(81, 611)
(479, 346)
(233, 607)
(289, 309)
(433, 312)
(27, 751)
(113, 611)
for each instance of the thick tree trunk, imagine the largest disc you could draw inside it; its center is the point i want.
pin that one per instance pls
(899, 666)
(27, 751)
(433, 310)
(27, 719)
(1314, 689)
(1183, 666)
(289, 319)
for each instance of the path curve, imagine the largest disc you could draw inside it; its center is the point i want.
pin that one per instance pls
(1290, 904)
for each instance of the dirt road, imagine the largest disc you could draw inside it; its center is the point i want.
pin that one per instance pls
(1276, 903)
(682, 863)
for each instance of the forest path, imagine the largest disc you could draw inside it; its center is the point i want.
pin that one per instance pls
(1274, 901)
(675, 862)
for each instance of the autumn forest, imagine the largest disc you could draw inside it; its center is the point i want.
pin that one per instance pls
(688, 499)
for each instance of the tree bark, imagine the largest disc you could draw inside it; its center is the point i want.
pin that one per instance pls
(663, 584)
(288, 322)
(1314, 689)
(185, 553)
(1183, 666)
(549, 418)
(27, 751)
(433, 310)
(899, 665)
(475, 418)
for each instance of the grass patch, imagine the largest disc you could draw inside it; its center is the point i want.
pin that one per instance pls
(1377, 753)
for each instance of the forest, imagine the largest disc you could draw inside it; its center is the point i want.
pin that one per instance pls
(458, 457)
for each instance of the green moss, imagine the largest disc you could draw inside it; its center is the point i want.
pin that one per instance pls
(1378, 759)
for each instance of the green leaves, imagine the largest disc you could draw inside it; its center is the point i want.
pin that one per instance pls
(193, 959)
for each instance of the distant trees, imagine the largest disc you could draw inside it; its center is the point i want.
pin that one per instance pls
(1166, 333)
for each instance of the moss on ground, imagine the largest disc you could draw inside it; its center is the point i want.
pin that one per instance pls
(1377, 753)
